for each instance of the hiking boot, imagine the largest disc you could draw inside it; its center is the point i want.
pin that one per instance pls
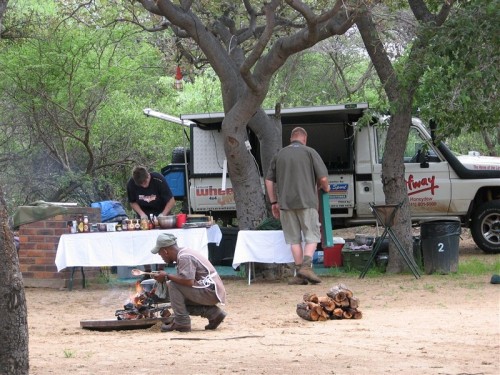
(297, 280)
(214, 323)
(307, 273)
(175, 327)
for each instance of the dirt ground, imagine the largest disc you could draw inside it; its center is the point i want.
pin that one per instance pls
(438, 324)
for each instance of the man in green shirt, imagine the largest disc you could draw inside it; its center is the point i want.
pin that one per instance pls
(292, 182)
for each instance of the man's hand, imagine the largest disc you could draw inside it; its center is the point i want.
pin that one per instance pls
(276, 210)
(161, 276)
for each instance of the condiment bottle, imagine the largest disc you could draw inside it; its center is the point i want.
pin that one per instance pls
(86, 224)
(131, 225)
(80, 224)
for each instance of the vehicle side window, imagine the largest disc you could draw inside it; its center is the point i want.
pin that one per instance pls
(413, 146)
(413, 149)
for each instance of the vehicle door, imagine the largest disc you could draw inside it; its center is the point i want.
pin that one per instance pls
(427, 174)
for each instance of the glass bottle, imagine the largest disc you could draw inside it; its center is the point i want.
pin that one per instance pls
(86, 227)
(80, 224)
(131, 225)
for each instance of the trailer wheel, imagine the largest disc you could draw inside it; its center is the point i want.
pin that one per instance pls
(178, 155)
(485, 228)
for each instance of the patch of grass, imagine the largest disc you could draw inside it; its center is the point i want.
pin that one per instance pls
(430, 288)
(477, 267)
(335, 271)
(68, 353)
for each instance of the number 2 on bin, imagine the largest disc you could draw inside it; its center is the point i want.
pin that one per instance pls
(440, 247)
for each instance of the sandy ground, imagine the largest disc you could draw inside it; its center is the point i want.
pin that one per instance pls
(439, 324)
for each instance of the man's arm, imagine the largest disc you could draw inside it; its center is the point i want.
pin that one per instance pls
(271, 193)
(270, 190)
(135, 206)
(323, 184)
(162, 276)
(168, 207)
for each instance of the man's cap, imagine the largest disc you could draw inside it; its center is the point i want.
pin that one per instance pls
(164, 240)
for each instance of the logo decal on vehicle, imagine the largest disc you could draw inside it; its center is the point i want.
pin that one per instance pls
(419, 186)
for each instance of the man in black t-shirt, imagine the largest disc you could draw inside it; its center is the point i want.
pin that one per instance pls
(148, 193)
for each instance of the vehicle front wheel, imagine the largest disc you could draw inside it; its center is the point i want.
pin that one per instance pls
(485, 228)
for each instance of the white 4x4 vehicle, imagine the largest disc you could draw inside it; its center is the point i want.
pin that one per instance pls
(440, 184)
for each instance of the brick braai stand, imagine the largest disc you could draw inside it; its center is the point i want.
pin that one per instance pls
(38, 247)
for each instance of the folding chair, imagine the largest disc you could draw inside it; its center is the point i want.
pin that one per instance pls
(385, 215)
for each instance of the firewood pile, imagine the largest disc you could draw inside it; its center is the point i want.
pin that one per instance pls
(339, 303)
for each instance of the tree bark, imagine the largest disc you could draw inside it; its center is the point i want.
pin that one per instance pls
(399, 86)
(14, 356)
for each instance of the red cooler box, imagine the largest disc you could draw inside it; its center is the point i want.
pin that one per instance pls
(332, 256)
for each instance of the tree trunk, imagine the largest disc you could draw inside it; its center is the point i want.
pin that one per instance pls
(14, 356)
(394, 185)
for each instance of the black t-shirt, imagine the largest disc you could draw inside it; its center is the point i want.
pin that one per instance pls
(153, 198)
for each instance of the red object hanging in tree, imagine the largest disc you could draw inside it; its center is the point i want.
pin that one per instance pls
(178, 84)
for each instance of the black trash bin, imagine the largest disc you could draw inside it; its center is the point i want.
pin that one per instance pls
(439, 241)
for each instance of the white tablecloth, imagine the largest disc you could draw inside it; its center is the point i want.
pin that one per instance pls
(127, 248)
(261, 246)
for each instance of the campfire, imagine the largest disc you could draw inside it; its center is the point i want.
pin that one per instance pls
(143, 304)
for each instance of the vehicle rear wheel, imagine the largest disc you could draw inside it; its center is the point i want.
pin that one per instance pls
(485, 228)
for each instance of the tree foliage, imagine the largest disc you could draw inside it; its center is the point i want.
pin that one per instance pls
(459, 88)
(72, 111)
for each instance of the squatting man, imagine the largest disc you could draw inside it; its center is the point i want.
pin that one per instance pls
(196, 289)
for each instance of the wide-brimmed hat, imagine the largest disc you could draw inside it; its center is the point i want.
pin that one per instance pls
(164, 240)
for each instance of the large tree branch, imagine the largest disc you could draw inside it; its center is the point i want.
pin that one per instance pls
(377, 53)
(423, 14)
(259, 48)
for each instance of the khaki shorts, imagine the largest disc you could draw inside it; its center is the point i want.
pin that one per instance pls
(301, 225)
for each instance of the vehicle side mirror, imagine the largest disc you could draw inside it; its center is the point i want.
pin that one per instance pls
(433, 127)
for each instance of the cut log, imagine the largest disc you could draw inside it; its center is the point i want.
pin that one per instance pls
(327, 303)
(311, 305)
(310, 297)
(346, 315)
(337, 313)
(354, 313)
(353, 302)
(339, 293)
(323, 299)
(314, 315)
(324, 314)
(303, 311)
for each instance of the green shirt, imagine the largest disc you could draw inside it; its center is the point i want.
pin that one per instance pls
(295, 170)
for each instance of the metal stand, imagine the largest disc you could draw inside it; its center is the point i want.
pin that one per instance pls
(70, 286)
(385, 215)
(250, 269)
